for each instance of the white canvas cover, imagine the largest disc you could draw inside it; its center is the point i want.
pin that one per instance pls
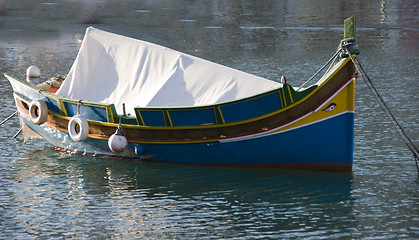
(110, 68)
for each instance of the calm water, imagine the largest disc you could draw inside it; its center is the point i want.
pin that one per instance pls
(49, 194)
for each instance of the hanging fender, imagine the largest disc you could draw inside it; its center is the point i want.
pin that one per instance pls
(78, 128)
(38, 111)
(117, 142)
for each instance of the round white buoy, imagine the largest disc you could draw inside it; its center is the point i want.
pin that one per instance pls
(117, 142)
(33, 72)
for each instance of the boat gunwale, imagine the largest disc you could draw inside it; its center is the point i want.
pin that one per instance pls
(102, 130)
(60, 100)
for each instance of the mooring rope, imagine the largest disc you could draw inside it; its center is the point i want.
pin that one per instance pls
(399, 129)
(331, 62)
(18, 132)
(321, 69)
(7, 119)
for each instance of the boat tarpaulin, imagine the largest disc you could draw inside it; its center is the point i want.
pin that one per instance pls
(111, 68)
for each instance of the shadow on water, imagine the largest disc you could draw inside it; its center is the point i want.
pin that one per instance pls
(188, 180)
(236, 201)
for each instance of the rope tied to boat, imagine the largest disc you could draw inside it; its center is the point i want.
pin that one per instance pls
(78, 106)
(9, 117)
(350, 43)
(399, 129)
(332, 59)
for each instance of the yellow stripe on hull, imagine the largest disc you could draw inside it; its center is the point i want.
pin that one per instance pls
(344, 100)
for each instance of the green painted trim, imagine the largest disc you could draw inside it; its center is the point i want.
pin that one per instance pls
(280, 99)
(298, 95)
(287, 97)
(209, 106)
(127, 120)
(139, 117)
(112, 114)
(167, 119)
(62, 107)
(290, 94)
(170, 109)
(87, 103)
(22, 81)
(219, 115)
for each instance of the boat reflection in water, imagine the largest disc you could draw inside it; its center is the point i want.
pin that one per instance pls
(178, 198)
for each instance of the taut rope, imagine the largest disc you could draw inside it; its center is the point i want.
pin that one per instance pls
(7, 119)
(405, 138)
(321, 69)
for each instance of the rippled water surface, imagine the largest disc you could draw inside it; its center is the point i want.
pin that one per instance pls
(50, 194)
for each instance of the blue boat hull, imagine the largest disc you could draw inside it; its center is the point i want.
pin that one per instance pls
(327, 144)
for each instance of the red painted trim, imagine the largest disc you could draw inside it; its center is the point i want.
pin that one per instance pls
(319, 166)
(51, 90)
(339, 89)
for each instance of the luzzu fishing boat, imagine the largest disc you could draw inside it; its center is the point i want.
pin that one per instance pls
(127, 98)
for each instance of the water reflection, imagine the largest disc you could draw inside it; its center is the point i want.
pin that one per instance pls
(90, 13)
(171, 198)
(46, 194)
(2, 7)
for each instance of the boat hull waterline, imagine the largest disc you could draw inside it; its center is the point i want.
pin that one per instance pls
(158, 104)
(316, 139)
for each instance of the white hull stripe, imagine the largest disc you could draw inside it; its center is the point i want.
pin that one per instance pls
(275, 130)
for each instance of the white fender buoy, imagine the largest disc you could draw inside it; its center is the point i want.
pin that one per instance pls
(78, 128)
(38, 111)
(33, 72)
(117, 142)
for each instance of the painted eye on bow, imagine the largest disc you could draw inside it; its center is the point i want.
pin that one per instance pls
(330, 107)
